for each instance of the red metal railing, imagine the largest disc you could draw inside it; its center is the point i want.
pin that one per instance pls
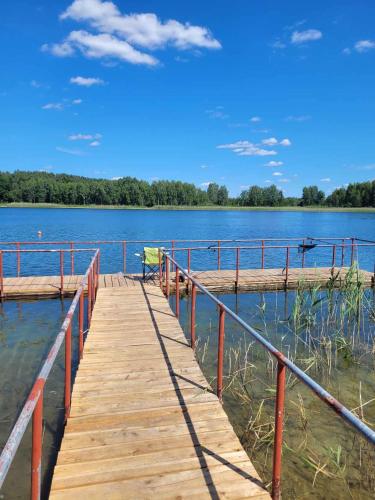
(283, 363)
(33, 407)
(124, 244)
(60, 252)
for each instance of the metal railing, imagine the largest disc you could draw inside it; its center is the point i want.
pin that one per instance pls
(60, 252)
(172, 243)
(283, 363)
(33, 407)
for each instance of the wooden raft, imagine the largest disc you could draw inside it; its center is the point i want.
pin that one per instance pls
(144, 422)
(221, 281)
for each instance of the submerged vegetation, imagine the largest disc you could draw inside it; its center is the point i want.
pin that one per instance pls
(330, 334)
(44, 187)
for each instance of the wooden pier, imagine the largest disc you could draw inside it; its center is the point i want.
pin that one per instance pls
(144, 423)
(35, 287)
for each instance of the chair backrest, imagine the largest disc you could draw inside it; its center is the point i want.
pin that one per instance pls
(151, 256)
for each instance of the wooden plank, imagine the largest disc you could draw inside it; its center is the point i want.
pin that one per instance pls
(144, 422)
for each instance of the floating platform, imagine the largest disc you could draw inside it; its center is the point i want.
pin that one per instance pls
(144, 422)
(36, 287)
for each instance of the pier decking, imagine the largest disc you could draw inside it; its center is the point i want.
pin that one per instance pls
(144, 422)
(220, 281)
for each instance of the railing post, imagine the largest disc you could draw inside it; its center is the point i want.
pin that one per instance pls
(303, 253)
(172, 253)
(237, 267)
(1, 276)
(287, 266)
(189, 260)
(218, 256)
(61, 272)
(89, 299)
(192, 315)
(124, 256)
(36, 454)
(220, 353)
(177, 293)
(333, 256)
(278, 439)
(71, 258)
(18, 245)
(167, 275)
(80, 323)
(342, 253)
(262, 254)
(68, 369)
(352, 255)
(160, 270)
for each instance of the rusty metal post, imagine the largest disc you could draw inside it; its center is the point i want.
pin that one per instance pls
(61, 272)
(303, 253)
(68, 370)
(287, 266)
(218, 256)
(189, 259)
(262, 254)
(71, 258)
(278, 439)
(342, 253)
(18, 245)
(220, 353)
(333, 256)
(36, 454)
(192, 315)
(124, 256)
(1, 276)
(177, 293)
(80, 323)
(167, 275)
(237, 267)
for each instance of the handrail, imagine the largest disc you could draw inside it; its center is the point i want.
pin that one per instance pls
(282, 363)
(33, 407)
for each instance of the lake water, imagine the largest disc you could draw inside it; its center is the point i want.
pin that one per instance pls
(27, 329)
(81, 224)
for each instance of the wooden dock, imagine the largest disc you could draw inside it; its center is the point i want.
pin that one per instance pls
(219, 281)
(144, 422)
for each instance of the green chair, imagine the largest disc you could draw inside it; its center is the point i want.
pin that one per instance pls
(150, 263)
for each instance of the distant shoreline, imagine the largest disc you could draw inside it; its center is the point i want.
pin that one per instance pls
(192, 208)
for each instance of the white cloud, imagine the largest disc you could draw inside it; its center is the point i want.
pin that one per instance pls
(273, 163)
(74, 152)
(364, 45)
(204, 166)
(326, 179)
(271, 141)
(84, 137)
(58, 106)
(95, 143)
(285, 142)
(206, 184)
(297, 118)
(278, 44)
(305, 36)
(86, 81)
(268, 181)
(116, 34)
(77, 101)
(246, 148)
(284, 180)
(277, 174)
(217, 113)
(347, 51)
(116, 178)
(255, 119)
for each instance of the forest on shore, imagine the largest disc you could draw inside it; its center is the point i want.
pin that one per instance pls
(43, 187)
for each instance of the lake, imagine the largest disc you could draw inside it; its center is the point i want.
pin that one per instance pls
(27, 330)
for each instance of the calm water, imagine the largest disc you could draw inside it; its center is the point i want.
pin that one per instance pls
(27, 329)
(80, 224)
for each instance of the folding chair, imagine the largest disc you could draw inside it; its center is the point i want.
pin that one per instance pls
(150, 263)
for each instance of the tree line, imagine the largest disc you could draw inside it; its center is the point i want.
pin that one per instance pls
(43, 187)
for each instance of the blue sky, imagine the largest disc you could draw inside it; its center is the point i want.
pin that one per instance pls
(238, 93)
